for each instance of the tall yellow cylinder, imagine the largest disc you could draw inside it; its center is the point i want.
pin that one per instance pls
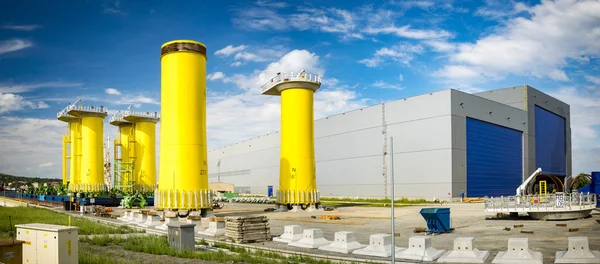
(145, 160)
(91, 150)
(183, 176)
(75, 160)
(297, 170)
(125, 131)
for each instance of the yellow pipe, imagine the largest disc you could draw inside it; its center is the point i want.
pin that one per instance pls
(297, 164)
(91, 146)
(145, 161)
(64, 159)
(183, 167)
(75, 134)
(124, 132)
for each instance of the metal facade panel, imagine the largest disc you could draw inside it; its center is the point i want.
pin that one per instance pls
(358, 143)
(494, 159)
(550, 145)
(363, 118)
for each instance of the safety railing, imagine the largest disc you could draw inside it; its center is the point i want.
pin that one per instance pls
(118, 116)
(541, 203)
(291, 76)
(130, 112)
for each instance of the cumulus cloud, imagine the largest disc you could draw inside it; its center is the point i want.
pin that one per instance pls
(539, 45)
(7, 46)
(215, 76)
(20, 27)
(45, 164)
(401, 53)
(407, 32)
(112, 91)
(13, 102)
(229, 50)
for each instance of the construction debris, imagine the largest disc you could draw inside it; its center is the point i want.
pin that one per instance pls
(526, 232)
(419, 229)
(248, 229)
(561, 225)
(518, 226)
(573, 229)
(507, 229)
(330, 217)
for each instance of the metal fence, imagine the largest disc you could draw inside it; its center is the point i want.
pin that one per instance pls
(291, 76)
(541, 203)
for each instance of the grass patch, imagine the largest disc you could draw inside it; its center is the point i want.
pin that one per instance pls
(158, 245)
(88, 256)
(28, 215)
(374, 201)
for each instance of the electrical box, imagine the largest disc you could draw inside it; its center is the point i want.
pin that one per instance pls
(49, 244)
(11, 251)
(181, 236)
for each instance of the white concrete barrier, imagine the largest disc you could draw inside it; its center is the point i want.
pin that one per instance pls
(291, 233)
(344, 242)
(419, 248)
(380, 245)
(578, 252)
(151, 221)
(311, 238)
(519, 253)
(464, 252)
(167, 221)
(214, 229)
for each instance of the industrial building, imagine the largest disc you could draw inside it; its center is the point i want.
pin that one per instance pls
(446, 143)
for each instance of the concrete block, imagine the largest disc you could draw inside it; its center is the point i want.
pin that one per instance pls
(291, 233)
(419, 248)
(380, 245)
(464, 252)
(214, 229)
(137, 218)
(125, 217)
(311, 238)
(578, 252)
(519, 253)
(198, 223)
(344, 242)
(167, 221)
(151, 221)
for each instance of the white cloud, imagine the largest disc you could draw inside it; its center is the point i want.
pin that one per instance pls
(401, 53)
(593, 79)
(13, 102)
(27, 141)
(229, 50)
(419, 4)
(248, 56)
(440, 46)
(20, 27)
(137, 101)
(113, 7)
(215, 76)
(7, 46)
(407, 32)
(384, 85)
(539, 46)
(22, 88)
(112, 91)
(272, 4)
(498, 10)
(236, 64)
(45, 164)
(400, 77)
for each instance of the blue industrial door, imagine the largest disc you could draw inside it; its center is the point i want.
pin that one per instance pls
(494, 159)
(550, 145)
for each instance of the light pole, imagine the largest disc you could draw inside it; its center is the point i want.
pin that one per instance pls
(219, 171)
(393, 197)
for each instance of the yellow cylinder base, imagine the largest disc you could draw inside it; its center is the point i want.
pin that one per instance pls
(92, 169)
(145, 158)
(183, 176)
(297, 182)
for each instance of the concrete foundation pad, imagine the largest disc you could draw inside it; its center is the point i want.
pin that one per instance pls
(344, 242)
(464, 252)
(214, 229)
(380, 245)
(138, 218)
(151, 221)
(519, 253)
(198, 223)
(313, 208)
(167, 221)
(567, 215)
(419, 248)
(578, 252)
(311, 238)
(207, 213)
(291, 233)
(126, 216)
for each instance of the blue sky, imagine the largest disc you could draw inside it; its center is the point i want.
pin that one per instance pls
(107, 53)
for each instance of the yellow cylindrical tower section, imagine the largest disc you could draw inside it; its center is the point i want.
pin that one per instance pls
(297, 171)
(183, 176)
(75, 155)
(92, 160)
(145, 160)
(125, 165)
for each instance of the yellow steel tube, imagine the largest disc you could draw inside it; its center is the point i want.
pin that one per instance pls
(297, 164)
(75, 162)
(145, 161)
(65, 157)
(183, 166)
(124, 132)
(91, 146)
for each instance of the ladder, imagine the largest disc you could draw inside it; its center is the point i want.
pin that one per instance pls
(543, 190)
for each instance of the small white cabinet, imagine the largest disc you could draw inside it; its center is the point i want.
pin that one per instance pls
(49, 244)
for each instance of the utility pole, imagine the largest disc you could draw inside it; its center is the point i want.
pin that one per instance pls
(393, 197)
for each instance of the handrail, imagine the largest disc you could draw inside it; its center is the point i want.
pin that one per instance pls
(537, 202)
(291, 76)
(130, 112)
(118, 116)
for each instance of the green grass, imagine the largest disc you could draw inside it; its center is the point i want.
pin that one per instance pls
(159, 246)
(374, 201)
(27, 215)
(88, 256)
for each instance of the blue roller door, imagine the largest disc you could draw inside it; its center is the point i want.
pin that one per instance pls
(550, 145)
(494, 159)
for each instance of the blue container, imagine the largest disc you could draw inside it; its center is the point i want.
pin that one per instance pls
(595, 186)
(270, 190)
(438, 220)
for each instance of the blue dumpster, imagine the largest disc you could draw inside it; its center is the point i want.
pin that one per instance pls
(270, 191)
(595, 186)
(438, 220)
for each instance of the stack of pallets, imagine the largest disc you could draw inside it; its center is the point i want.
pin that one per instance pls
(247, 229)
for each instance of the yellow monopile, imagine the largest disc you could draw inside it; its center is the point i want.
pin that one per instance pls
(124, 165)
(75, 157)
(145, 157)
(183, 176)
(297, 172)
